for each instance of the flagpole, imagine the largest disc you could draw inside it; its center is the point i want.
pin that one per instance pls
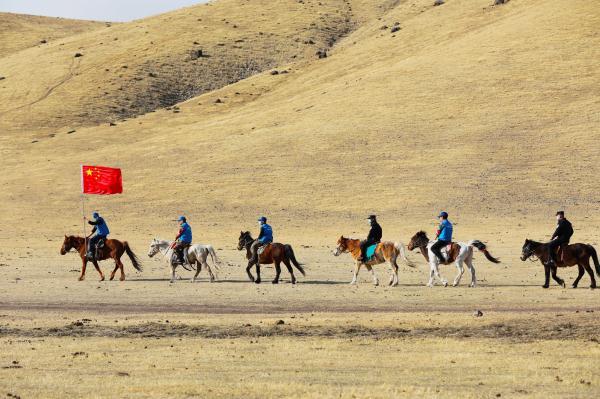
(83, 209)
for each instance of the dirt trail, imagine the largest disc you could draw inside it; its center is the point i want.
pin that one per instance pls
(173, 308)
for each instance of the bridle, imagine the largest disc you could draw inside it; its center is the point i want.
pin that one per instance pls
(530, 254)
(247, 240)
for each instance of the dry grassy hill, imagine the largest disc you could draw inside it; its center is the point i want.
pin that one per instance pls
(19, 32)
(134, 68)
(489, 112)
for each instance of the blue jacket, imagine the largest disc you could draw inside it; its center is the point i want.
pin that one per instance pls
(266, 234)
(100, 227)
(445, 231)
(185, 233)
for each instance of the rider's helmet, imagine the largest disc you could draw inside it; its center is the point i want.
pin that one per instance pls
(372, 217)
(561, 213)
(182, 219)
(95, 215)
(443, 215)
(262, 219)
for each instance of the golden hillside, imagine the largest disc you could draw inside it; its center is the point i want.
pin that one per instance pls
(134, 68)
(489, 112)
(19, 32)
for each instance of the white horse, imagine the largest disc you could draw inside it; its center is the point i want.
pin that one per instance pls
(459, 252)
(196, 255)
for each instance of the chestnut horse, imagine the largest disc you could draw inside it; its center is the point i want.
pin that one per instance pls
(458, 252)
(574, 254)
(273, 253)
(113, 249)
(386, 251)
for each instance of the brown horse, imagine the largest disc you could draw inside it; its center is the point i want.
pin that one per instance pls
(113, 249)
(456, 252)
(574, 254)
(386, 251)
(273, 253)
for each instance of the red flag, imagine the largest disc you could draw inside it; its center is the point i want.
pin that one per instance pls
(101, 180)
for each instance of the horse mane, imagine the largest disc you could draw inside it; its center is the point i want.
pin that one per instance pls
(421, 233)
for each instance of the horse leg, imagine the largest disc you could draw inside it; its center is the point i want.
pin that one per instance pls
(375, 279)
(547, 276)
(250, 276)
(394, 279)
(588, 268)
(95, 262)
(210, 272)
(122, 278)
(556, 278)
(112, 274)
(472, 271)
(431, 275)
(173, 267)
(436, 271)
(257, 281)
(288, 265)
(198, 268)
(356, 270)
(277, 272)
(84, 262)
(579, 276)
(461, 271)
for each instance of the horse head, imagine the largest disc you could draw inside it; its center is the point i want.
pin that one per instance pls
(418, 240)
(245, 240)
(154, 248)
(528, 249)
(67, 245)
(342, 246)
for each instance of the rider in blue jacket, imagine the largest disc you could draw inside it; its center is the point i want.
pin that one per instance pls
(99, 232)
(183, 239)
(443, 236)
(265, 237)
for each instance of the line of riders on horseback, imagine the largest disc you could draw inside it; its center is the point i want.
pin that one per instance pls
(369, 252)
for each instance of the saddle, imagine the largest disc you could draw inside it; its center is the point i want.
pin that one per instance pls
(446, 252)
(98, 249)
(262, 248)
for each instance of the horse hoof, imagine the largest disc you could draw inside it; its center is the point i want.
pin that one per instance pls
(102, 279)
(592, 287)
(293, 282)
(81, 278)
(275, 282)
(445, 283)
(544, 286)
(257, 282)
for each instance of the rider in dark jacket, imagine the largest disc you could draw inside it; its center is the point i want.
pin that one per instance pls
(562, 235)
(374, 237)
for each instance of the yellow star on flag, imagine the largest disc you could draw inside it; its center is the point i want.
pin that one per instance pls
(89, 172)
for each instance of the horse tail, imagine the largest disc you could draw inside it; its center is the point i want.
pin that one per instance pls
(214, 257)
(134, 259)
(400, 247)
(595, 258)
(483, 248)
(290, 254)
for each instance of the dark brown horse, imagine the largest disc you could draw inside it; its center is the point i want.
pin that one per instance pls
(273, 253)
(574, 254)
(113, 249)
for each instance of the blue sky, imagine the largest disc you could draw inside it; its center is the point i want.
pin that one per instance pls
(100, 10)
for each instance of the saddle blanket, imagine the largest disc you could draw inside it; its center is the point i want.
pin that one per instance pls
(371, 251)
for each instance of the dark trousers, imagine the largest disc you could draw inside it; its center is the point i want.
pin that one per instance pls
(93, 241)
(363, 248)
(553, 246)
(254, 250)
(437, 249)
(179, 247)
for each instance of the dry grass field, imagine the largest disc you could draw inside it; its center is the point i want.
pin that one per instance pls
(489, 112)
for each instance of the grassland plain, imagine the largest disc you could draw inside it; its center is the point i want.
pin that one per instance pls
(491, 113)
